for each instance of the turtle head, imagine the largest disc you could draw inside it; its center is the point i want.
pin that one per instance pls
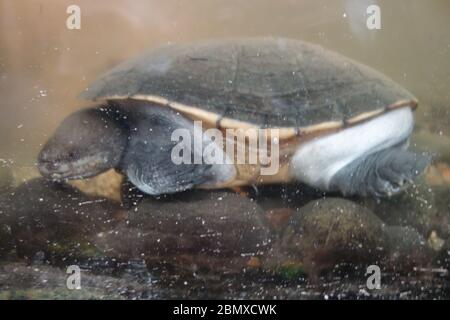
(86, 143)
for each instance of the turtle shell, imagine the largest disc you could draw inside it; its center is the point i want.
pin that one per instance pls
(261, 82)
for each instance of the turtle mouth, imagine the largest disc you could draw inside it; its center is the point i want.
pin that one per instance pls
(59, 170)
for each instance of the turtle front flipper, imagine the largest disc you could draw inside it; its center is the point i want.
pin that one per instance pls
(157, 161)
(154, 173)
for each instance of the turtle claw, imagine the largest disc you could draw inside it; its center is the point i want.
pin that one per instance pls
(399, 168)
(389, 189)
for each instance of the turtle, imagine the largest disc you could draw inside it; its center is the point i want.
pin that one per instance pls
(338, 125)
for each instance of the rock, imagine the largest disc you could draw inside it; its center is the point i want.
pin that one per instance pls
(417, 207)
(56, 219)
(333, 231)
(193, 230)
(406, 248)
(42, 282)
(198, 231)
(193, 244)
(278, 218)
(328, 231)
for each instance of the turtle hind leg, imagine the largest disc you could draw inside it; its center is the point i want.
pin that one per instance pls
(382, 174)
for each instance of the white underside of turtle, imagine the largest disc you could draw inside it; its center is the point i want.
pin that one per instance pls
(317, 161)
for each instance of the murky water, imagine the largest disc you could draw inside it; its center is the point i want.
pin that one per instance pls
(44, 66)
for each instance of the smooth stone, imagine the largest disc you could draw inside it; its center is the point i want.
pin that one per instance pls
(332, 231)
(406, 248)
(54, 218)
(20, 281)
(214, 230)
(194, 230)
(418, 207)
(329, 231)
